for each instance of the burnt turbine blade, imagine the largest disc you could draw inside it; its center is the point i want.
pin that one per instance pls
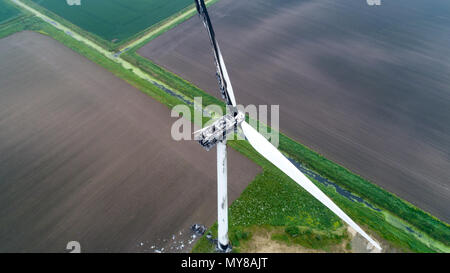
(221, 79)
(197, 5)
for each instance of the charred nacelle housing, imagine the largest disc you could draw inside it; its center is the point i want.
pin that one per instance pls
(218, 131)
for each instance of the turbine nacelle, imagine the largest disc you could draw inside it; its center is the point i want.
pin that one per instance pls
(209, 136)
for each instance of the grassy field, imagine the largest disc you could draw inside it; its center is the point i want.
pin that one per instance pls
(115, 20)
(272, 198)
(7, 11)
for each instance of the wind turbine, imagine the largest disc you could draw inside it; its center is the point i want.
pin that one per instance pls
(216, 134)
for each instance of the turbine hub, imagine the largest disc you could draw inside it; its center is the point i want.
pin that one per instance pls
(219, 130)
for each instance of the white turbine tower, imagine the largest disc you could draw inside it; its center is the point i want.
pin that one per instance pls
(216, 134)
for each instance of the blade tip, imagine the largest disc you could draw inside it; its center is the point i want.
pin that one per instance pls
(377, 246)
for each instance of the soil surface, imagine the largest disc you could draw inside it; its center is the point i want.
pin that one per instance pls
(86, 157)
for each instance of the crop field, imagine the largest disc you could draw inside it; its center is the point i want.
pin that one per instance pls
(7, 11)
(86, 157)
(369, 94)
(115, 20)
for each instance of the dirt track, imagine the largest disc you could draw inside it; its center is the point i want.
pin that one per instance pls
(86, 157)
(368, 87)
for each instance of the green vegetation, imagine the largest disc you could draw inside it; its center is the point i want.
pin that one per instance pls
(7, 11)
(307, 237)
(25, 21)
(348, 246)
(115, 20)
(273, 199)
(310, 238)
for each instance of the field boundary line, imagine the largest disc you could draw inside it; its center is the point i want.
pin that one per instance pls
(164, 25)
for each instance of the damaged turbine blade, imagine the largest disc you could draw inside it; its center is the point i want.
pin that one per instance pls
(226, 89)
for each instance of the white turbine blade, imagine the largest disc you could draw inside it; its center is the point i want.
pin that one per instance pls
(266, 149)
(199, 131)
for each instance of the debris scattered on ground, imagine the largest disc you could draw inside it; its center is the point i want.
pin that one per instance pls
(198, 229)
(179, 242)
